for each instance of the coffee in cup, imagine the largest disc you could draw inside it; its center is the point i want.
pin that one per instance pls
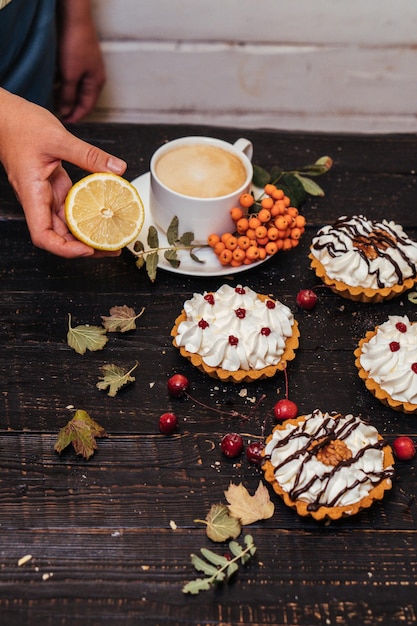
(201, 171)
(198, 180)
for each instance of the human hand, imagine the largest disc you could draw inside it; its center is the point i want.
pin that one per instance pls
(80, 65)
(33, 144)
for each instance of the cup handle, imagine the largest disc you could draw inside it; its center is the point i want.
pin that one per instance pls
(245, 146)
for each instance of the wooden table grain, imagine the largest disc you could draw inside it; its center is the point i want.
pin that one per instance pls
(110, 538)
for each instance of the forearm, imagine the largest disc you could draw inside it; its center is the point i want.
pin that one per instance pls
(72, 13)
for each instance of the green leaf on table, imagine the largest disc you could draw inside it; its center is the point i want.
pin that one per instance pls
(172, 257)
(153, 239)
(320, 167)
(196, 258)
(220, 525)
(203, 566)
(114, 378)
(296, 184)
(186, 239)
(138, 246)
(86, 337)
(293, 188)
(310, 186)
(195, 586)
(121, 319)
(140, 262)
(172, 231)
(81, 431)
(152, 265)
(260, 176)
(218, 568)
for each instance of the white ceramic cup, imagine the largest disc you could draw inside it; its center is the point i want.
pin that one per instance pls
(201, 216)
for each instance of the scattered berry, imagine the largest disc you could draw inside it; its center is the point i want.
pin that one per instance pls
(168, 423)
(231, 445)
(177, 385)
(404, 448)
(306, 299)
(254, 452)
(285, 410)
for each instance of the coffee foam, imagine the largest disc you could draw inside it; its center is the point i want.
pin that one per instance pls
(201, 171)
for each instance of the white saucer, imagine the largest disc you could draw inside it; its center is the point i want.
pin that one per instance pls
(211, 265)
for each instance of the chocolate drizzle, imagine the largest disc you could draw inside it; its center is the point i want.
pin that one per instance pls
(371, 240)
(332, 427)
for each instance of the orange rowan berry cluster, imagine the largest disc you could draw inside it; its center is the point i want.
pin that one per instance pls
(275, 226)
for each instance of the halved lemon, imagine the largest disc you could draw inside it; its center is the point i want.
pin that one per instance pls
(104, 211)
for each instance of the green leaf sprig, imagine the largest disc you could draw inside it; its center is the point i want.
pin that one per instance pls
(150, 257)
(219, 568)
(296, 184)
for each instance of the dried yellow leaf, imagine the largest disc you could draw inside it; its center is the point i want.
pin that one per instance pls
(249, 509)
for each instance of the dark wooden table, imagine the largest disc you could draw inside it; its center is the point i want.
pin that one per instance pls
(102, 533)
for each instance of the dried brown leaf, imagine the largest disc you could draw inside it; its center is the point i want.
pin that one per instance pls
(81, 431)
(249, 509)
(121, 319)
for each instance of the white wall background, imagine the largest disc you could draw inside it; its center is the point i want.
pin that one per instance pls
(320, 65)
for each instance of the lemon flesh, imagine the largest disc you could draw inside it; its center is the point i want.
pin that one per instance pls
(104, 211)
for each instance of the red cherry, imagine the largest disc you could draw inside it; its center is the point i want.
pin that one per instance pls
(404, 448)
(306, 299)
(394, 346)
(285, 410)
(168, 423)
(254, 452)
(231, 445)
(401, 327)
(177, 385)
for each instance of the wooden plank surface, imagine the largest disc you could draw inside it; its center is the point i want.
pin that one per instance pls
(111, 537)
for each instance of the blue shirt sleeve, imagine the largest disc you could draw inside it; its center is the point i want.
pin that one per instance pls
(28, 49)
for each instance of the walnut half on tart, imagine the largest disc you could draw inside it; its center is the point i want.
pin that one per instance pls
(235, 334)
(328, 465)
(365, 260)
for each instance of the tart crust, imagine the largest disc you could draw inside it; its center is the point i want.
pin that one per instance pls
(240, 376)
(374, 387)
(357, 293)
(326, 512)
